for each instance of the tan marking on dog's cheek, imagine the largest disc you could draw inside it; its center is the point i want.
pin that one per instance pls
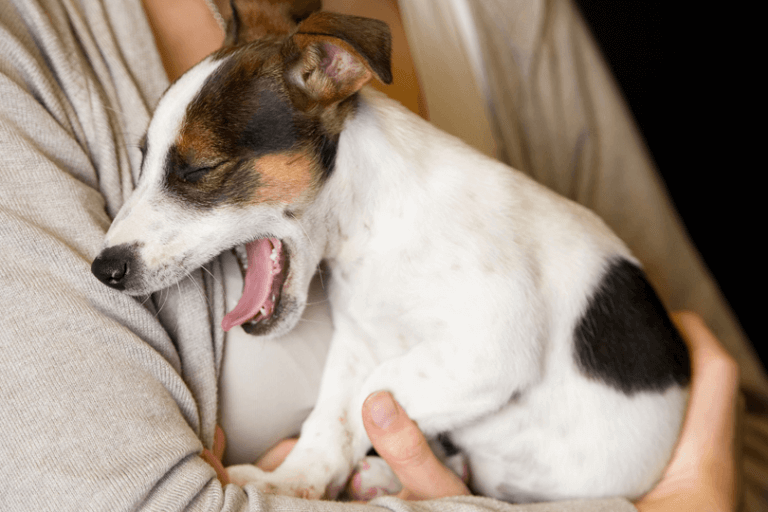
(284, 178)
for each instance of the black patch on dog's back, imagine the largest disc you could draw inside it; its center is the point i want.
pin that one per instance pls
(625, 338)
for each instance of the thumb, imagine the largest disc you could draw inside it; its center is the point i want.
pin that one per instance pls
(398, 441)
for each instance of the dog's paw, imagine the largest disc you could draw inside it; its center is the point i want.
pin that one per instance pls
(372, 478)
(274, 483)
(244, 473)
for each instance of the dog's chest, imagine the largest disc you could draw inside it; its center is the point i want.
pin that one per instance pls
(413, 270)
(394, 303)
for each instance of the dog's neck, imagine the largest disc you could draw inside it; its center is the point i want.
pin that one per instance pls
(374, 170)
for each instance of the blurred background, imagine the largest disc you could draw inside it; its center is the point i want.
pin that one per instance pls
(700, 154)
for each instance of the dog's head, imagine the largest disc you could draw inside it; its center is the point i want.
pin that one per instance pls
(237, 150)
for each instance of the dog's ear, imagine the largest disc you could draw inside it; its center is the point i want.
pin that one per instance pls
(338, 55)
(249, 20)
(302, 9)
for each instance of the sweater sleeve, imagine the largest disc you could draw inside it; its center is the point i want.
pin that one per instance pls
(95, 406)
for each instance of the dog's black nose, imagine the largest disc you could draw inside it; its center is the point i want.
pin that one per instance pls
(113, 266)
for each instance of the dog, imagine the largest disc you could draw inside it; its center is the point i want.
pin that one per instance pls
(504, 318)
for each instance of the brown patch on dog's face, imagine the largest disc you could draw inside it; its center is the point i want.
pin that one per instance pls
(251, 20)
(257, 20)
(270, 103)
(283, 178)
(276, 178)
(199, 145)
(243, 141)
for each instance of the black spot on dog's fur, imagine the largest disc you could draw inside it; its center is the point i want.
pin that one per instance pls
(271, 127)
(445, 441)
(625, 337)
(328, 148)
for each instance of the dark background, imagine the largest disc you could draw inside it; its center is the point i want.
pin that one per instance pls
(672, 83)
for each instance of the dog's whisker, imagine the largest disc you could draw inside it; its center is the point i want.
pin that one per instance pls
(157, 302)
(319, 273)
(309, 239)
(157, 314)
(178, 290)
(194, 281)
(167, 296)
(308, 321)
(215, 279)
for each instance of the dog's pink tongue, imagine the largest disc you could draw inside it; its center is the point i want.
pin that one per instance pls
(263, 265)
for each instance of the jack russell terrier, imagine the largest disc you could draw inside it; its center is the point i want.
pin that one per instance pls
(503, 317)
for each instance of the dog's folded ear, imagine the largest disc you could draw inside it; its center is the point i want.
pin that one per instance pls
(338, 55)
(249, 20)
(301, 9)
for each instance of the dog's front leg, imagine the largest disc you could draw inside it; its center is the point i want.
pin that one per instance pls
(332, 438)
(446, 383)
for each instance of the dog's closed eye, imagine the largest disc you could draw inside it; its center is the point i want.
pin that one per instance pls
(193, 173)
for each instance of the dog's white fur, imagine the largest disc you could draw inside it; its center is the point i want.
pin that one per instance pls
(456, 285)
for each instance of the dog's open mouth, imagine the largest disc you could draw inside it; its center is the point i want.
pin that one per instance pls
(264, 278)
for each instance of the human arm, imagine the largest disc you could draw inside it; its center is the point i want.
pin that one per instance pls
(97, 405)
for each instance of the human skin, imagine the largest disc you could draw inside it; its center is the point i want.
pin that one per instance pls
(702, 472)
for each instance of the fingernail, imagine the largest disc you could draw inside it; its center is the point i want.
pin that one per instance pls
(383, 409)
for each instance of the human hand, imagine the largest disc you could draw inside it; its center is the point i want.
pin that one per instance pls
(398, 441)
(701, 475)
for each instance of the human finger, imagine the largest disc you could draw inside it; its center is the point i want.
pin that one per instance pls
(398, 440)
(276, 455)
